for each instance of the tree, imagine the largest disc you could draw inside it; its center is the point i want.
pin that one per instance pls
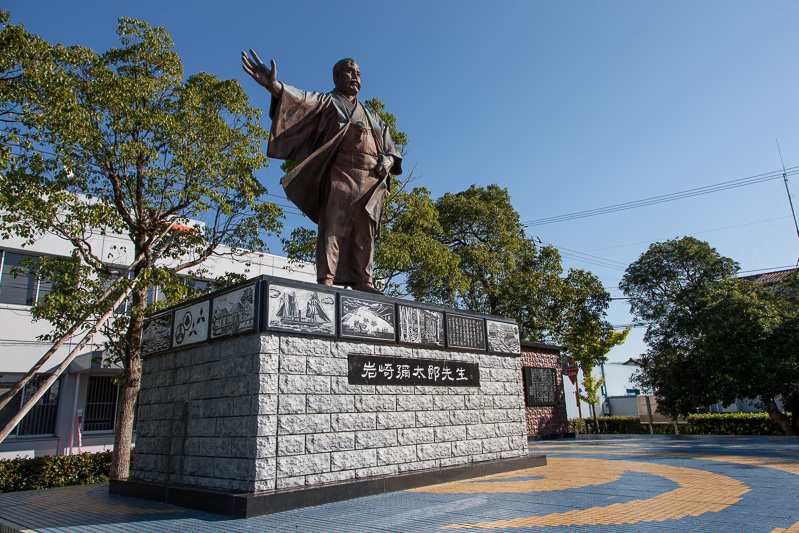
(713, 337)
(748, 335)
(501, 271)
(667, 271)
(584, 330)
(121, 143)
(733, 339)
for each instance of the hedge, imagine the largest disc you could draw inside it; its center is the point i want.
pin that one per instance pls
(733, 424)
(704, 424)
(53, 471)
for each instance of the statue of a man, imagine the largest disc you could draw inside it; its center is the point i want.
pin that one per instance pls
(347, 158)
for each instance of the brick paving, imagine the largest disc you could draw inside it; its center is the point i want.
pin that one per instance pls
(607, 484)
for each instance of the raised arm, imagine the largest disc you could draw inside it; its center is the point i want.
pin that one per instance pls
(265, 76)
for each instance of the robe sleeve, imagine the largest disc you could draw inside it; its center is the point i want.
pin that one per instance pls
(385, 141)
(299, 120)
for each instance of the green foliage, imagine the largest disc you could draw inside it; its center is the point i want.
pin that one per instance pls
(732, 424)
(583, 329)
(408, 249)
(53, 471)
(121, 143)
(659, 279)
(609, 425)
(712, 337)
(698, 424)
(591, 387)
(400, 138)
(502, 271)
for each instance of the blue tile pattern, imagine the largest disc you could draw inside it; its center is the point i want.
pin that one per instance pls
(610, 478)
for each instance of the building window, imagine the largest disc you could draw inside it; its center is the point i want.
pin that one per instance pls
(100, 412)
(41, 419)
(633, 392)
(25, 288)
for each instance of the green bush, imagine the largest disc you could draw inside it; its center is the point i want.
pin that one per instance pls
(609, 424)
(53, 471)
(733, 424)
(704, 424)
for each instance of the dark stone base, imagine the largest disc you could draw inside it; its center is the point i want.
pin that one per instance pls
(248, 505)
(552, 436)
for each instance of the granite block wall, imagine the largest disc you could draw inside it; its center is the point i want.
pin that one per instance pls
(276, 411)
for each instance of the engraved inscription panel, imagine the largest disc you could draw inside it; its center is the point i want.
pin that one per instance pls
(465, 332)
(382, 370)
(540, 386)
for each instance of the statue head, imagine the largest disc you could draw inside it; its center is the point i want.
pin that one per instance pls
(347, 77)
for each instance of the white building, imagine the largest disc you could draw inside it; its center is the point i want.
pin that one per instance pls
(617, 396)
(50, 428)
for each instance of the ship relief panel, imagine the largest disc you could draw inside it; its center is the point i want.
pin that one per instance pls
(301, 310)
(234, 312)
(418, 325)
(503, 337)
(191, 324)
(465, 332)
(156, 334)
(367, 319)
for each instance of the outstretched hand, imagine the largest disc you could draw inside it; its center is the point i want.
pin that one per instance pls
(261, 73)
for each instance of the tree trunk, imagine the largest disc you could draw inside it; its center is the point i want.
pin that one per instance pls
(123, 430)
(791, 405)
(781, 419)
(596, 420)
(131, 381)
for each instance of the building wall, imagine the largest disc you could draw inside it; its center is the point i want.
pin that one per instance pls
(20, 349)
(546, 421)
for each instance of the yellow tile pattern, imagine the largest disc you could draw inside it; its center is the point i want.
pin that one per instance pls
(699, 492)
(792, 529)
(778, 463)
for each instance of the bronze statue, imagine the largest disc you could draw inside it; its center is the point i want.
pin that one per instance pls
(347, 158)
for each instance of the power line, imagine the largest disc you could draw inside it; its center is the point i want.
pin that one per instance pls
(741, 182)
(588, 258)
(787, 190)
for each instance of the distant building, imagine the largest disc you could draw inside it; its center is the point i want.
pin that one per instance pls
(51, 427)
(770, 278)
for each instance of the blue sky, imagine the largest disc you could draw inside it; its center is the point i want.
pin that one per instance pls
(570, 105)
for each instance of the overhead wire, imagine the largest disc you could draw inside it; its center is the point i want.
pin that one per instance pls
(726, 185)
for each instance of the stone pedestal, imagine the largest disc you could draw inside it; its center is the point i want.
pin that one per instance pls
(261, 410)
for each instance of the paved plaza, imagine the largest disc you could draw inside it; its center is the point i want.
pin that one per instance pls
(616, 483)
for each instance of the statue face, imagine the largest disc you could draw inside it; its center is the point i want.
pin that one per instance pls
(348, 80)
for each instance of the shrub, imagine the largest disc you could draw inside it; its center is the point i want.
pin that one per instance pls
(609, 424)
(53, 471)
(733, 424)
(704, 424)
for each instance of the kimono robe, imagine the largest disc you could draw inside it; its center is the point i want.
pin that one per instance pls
(335, 184)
